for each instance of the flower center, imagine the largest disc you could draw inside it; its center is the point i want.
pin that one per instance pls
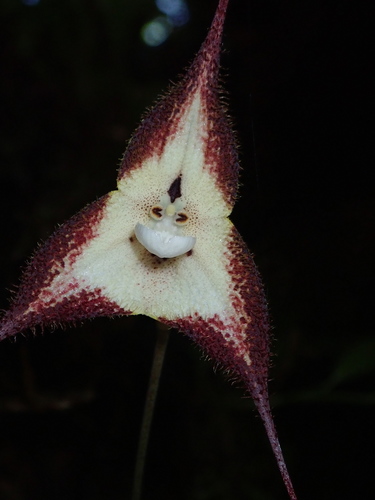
(164, 236)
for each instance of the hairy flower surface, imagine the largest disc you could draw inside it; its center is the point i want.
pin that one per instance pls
(162, 244)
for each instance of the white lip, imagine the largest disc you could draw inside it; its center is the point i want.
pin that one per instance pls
(163, 243)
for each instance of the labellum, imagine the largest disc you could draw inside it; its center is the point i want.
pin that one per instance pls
(161, 244)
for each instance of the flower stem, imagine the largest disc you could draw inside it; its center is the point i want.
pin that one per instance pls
(148, 411)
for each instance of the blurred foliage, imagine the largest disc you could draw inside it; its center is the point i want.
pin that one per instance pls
(76, 78)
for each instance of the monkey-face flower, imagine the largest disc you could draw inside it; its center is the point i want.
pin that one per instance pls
(162, 243)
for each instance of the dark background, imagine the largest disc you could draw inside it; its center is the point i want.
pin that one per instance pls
(75, 79)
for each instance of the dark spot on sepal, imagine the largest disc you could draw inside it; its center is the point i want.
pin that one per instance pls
(175, 189)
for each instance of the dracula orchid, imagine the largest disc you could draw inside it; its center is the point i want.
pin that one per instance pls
(162, 244)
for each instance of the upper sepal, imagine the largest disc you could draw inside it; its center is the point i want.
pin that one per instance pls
(188, 131)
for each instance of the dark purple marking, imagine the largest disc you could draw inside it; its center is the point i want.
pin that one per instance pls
(175, 189)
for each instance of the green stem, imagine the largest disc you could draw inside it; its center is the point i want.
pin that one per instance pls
(148, 411)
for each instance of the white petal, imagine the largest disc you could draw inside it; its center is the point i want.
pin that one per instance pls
(162, 243)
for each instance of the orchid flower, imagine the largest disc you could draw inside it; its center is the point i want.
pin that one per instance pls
(162, 244)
